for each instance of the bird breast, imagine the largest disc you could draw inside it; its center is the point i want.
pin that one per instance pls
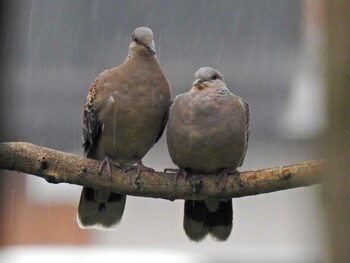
(133, 117)
(205, 131)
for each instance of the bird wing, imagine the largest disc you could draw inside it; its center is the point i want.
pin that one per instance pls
(91, 124)
(246, 109)
(165, 121)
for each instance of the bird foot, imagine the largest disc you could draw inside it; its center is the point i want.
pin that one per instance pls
(108, 162)
(223, 179)
(178, 173)
(140, 167)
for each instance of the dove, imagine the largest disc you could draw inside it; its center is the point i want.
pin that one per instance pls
(207, 133)
(125, 114)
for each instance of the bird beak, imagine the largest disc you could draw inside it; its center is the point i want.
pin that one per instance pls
(152, 47)
(197, 82)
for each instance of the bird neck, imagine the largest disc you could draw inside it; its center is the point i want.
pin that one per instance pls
(141, 58)
(140, 54)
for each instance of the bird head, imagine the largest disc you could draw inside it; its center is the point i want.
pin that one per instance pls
(142, 42)
(207, 77)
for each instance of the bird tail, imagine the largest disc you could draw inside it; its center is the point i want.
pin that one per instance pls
(208, 217)
(100, 209)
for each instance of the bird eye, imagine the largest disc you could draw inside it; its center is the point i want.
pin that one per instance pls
(135, 40)
(215, 77)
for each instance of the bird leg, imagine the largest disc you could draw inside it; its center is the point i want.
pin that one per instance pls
(224, 175)
(178, 173)
(108, 162)
(140, 167)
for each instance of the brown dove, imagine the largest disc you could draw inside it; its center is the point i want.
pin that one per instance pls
(208, 131)
(125, 114)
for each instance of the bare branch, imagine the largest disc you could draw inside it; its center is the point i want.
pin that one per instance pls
(60, 167)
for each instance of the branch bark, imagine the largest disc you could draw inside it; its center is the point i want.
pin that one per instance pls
(60, 167)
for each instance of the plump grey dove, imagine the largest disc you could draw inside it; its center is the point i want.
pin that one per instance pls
(208, 131)
(125, 114)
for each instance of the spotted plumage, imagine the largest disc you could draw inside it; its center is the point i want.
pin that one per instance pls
(125, 113)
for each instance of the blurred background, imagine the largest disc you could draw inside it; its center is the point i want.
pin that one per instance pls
(269, 53)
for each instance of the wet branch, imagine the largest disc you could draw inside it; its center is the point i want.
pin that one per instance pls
(61, 167)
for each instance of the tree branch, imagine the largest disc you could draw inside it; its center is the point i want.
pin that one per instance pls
(60, 167)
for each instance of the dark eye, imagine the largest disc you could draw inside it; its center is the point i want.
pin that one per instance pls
(135, 40)
(215, 77)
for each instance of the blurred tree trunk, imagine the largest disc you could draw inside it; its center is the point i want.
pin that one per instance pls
(337, 186)
(5, 28)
